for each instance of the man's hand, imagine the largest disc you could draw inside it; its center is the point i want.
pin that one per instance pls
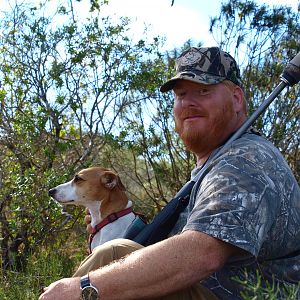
(87, 220)
(64, 289)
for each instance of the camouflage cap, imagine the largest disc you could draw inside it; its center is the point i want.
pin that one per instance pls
(204, 65)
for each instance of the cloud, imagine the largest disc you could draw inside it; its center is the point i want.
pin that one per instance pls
(186, 19)
(177, 23)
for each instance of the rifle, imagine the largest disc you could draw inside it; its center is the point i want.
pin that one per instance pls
(164, 221)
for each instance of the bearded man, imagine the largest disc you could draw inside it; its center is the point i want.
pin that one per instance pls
(243, 222)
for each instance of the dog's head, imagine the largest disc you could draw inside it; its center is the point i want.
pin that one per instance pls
(88, 185)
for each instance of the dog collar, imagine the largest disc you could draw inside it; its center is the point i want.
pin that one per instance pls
(109, 219)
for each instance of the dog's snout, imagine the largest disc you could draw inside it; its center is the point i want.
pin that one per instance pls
(52, 192)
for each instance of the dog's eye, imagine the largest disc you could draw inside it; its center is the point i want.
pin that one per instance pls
(77, 179)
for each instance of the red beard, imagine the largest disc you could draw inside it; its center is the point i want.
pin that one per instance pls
(207, 133)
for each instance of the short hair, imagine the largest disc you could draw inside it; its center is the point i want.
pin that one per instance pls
(231, 86)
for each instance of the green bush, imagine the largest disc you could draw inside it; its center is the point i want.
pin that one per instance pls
(50, 266)
(40, 272)
(255, 290)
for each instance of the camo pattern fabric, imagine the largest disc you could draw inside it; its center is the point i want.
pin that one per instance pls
(250, 199)
(204, 65)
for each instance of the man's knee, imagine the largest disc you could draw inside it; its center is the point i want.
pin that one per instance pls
(115, 249)
(107, 253)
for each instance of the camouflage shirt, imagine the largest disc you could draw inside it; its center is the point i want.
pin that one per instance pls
(250, 199)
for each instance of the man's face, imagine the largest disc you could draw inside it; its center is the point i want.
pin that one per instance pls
(205, 115)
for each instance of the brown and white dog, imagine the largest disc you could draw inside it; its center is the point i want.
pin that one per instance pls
(102, 192)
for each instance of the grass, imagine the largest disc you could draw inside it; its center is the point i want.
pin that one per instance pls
(53, 262)
(256, 291)
(40, 272)
(48, 267)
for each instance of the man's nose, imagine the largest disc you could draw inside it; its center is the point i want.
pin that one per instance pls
(189, 99)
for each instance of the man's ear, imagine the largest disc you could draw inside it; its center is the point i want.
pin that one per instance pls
(239, 99)
(111, 180)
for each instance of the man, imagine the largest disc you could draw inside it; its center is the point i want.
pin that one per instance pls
(243, 222)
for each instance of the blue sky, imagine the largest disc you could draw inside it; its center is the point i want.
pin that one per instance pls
(186, 19)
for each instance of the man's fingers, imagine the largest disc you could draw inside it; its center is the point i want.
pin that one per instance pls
(89, 228)
(43, 290)
(87, 219)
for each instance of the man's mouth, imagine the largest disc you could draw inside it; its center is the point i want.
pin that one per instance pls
(194, 117)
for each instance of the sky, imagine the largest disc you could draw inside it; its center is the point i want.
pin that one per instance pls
(186, 19)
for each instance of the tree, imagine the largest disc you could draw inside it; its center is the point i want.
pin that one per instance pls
(161, 163)
(75, 94)
(264, 40)
(63, 91)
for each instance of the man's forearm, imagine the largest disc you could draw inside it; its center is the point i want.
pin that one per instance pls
(159, 269)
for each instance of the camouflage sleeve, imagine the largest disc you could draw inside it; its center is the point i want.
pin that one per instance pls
(237, 201)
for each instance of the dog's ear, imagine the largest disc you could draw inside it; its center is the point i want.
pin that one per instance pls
(111, 180)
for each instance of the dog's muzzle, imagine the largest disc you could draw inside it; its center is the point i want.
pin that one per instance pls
(52, 193)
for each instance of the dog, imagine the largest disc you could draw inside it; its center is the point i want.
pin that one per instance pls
(102, 192)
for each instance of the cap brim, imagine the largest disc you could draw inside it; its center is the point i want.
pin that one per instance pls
(189, 76)
(169, 85)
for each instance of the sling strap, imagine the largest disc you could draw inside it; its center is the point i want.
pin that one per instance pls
(165, 220)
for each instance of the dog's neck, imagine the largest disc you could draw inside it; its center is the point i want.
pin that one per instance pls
(95, 211)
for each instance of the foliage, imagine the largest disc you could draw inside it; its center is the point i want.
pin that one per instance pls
(41, 271)
(48, 267)
(63, 91)
(75, 94)
(259, 291)
(264, 40)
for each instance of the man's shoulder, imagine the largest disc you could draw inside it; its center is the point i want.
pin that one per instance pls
(253, 147)
(252, 140)
(252, 161)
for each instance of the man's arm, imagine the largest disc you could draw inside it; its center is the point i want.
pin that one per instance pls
(159, 269)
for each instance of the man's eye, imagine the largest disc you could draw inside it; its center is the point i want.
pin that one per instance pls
(180, 93)
(203, 91)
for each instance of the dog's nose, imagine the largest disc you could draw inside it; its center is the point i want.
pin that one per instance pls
(52, 192)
